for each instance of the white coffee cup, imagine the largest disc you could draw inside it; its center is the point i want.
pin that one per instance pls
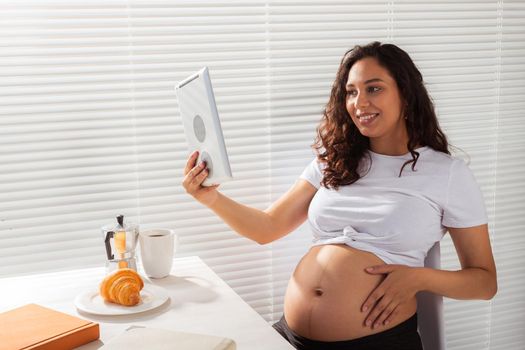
(157, 247)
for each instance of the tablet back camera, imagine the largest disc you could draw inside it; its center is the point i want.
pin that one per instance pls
(199, 129)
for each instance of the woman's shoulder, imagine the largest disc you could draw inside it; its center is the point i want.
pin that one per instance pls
(445, 163)
(438, 157)
(437, 163)
(461, 157)
(313, 172)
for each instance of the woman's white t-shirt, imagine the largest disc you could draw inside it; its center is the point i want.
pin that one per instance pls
(396, 218)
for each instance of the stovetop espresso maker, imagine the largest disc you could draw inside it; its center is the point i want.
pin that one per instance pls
(120, 241)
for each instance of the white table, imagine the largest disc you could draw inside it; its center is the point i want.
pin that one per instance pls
(200, 302)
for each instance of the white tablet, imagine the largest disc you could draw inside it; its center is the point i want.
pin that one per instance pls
(202, 126)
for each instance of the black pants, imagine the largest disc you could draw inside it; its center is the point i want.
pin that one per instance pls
(404, 336)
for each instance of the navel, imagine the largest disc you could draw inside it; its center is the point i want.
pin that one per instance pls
(318, 292)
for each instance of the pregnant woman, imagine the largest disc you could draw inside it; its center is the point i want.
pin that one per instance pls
(381, 192)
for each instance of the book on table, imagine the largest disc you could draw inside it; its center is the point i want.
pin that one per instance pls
(39, 328)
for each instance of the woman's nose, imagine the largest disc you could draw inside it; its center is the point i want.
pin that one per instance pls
(361, 101)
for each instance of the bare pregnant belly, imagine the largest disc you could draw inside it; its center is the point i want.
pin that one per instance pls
(325, 294)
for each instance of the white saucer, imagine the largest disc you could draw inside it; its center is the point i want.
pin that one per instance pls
(91, 302)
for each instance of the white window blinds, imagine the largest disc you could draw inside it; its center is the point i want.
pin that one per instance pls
(89, 126)
(507, 321)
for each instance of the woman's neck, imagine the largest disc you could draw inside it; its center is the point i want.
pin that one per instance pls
(389, 148)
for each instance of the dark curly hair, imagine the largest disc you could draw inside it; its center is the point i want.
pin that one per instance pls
(340, 145)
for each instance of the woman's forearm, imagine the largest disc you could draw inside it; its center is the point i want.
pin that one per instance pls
(250, 222)
(468, 283)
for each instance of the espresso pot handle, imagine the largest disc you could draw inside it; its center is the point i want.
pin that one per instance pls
(109, 235)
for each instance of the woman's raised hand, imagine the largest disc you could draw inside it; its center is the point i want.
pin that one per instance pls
(194, 175)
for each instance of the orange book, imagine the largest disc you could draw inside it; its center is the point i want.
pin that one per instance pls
(36, 327)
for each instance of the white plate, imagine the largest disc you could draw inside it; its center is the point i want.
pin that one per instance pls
(91, 302)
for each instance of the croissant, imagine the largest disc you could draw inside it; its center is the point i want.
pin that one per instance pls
(122, 287)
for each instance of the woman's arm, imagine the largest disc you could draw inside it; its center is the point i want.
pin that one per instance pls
(281, 218)
(266, 226)
(476, 279)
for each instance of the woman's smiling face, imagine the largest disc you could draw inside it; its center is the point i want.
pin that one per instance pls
(375, 104)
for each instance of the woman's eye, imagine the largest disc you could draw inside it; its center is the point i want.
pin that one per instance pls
(351, 92)
(373, 89)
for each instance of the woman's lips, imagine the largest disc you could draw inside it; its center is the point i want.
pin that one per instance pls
(367, 119)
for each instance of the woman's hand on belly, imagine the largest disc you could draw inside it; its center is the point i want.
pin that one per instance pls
(399, 288)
